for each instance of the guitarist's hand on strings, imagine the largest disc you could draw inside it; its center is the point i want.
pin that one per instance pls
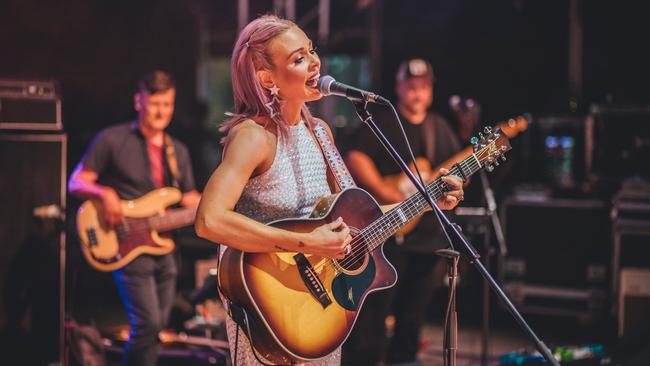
(452, 197)
(330, 240)
(111, 206)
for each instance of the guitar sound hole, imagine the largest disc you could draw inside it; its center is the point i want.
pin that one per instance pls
(357, 257)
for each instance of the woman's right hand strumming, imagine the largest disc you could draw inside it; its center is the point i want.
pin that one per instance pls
(330, 240)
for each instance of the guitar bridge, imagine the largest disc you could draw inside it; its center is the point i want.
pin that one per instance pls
(311, 280)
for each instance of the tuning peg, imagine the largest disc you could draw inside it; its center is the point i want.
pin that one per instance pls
(473, 140)
(487, 129)
(489, 168)
(496, 162)
(480, 134)
(503, 158)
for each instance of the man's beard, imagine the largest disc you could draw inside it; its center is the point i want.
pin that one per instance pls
(414, 108)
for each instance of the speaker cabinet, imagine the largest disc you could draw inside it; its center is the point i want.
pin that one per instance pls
(563, 242)
(32, 251)
(559, 251)
(634, 301)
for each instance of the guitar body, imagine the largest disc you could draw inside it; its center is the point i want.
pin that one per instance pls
(108, 249)
(287, 321)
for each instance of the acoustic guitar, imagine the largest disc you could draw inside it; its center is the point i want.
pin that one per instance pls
(301, 307)
(510, 128)
(110, 248)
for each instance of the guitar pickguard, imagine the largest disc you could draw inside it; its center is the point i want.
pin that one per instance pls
(348, 289)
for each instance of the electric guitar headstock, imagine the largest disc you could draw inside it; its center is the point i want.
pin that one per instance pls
(513, 126)
(490, 147)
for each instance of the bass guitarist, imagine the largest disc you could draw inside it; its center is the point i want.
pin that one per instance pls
(433, 141)
(125, 162)
(272, 166)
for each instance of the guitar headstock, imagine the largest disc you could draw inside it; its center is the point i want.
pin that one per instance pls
(490, 147)
(514, 126)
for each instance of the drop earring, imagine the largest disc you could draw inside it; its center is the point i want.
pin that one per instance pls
(275, 94)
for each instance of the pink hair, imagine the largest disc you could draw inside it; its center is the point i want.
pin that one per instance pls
(248, 56)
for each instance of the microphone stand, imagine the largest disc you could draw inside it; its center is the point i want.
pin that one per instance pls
(466, 248)
(450, 339)
(498, 232)
(484, 215)
(492, 211)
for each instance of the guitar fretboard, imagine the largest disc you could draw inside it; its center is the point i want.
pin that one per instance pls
(384, 227)
(172, 219)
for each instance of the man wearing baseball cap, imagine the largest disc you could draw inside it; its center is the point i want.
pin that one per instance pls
(412, 254)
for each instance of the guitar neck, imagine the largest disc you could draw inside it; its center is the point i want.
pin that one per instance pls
(173, 219)
(414, 206)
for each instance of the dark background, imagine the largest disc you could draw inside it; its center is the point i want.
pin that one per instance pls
(511, 55)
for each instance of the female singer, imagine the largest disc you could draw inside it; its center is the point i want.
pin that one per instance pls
(272, 167)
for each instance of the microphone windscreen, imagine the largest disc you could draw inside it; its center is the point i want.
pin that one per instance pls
(324, 84)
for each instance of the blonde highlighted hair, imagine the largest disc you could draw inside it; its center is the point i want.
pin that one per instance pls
(249, 56)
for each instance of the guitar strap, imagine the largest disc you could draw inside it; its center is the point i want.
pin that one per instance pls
(333, 158)
(429, 131)
(170, 152)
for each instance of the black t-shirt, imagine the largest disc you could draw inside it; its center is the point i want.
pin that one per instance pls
(119, 156)
(427, 236)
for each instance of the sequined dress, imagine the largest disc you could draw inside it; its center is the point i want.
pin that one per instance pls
(296, 179)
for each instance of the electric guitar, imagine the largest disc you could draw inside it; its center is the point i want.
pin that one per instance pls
(108, 249)
(170, 336)
(401, 182)
(300, 307)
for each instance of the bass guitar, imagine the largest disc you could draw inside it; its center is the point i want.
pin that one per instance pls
(110, 248)
(299, 307)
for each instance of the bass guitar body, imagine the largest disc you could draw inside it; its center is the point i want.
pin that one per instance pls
(108, 249)
(303, 307)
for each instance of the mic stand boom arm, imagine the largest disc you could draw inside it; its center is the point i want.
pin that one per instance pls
(466, 249)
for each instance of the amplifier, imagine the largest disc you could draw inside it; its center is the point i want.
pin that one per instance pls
(30, 105)
(634, 300)
(557, 242)
(559, 252)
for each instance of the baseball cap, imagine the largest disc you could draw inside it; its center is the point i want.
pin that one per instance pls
(415, 67)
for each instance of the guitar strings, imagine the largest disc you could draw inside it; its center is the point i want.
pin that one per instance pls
(373, 236)
(369, 234)
(415, 201)
(140, 225)
(369, 238)
(389, 217)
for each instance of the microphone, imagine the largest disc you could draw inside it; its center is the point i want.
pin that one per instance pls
(328, 86)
